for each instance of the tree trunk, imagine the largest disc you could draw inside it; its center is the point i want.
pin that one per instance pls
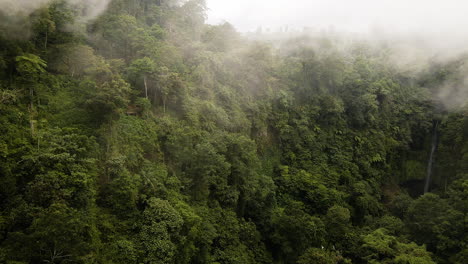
(46, 39)
(31, 110)
(146, 87)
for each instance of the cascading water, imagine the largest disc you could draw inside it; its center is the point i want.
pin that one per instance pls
(430, 163)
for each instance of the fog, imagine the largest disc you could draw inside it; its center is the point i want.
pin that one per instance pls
(437, 25)
(90, 8)
(416, 30)
(419, 31)
(356, 15)
(14, 14)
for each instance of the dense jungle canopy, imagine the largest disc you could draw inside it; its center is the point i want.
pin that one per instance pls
(144, 135)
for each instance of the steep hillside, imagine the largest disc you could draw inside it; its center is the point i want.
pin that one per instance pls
(143, 135)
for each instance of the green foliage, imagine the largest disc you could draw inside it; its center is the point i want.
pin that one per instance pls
(383, 248)
(295, 231)
(160, 226)
(435, 223)
(320, 256)
(147, 136)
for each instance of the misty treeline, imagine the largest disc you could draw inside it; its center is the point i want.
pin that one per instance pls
(147, 136)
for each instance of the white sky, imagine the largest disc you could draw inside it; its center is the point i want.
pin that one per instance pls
(430, 16)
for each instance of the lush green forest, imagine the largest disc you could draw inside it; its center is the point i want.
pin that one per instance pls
(147, 136)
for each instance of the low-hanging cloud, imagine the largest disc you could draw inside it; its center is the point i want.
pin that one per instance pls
(419, 32)
(90, 9)
(21, 7)
(15, 22)
(441, 25)
(453, 93)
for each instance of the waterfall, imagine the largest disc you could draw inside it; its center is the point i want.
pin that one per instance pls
(430, 163)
